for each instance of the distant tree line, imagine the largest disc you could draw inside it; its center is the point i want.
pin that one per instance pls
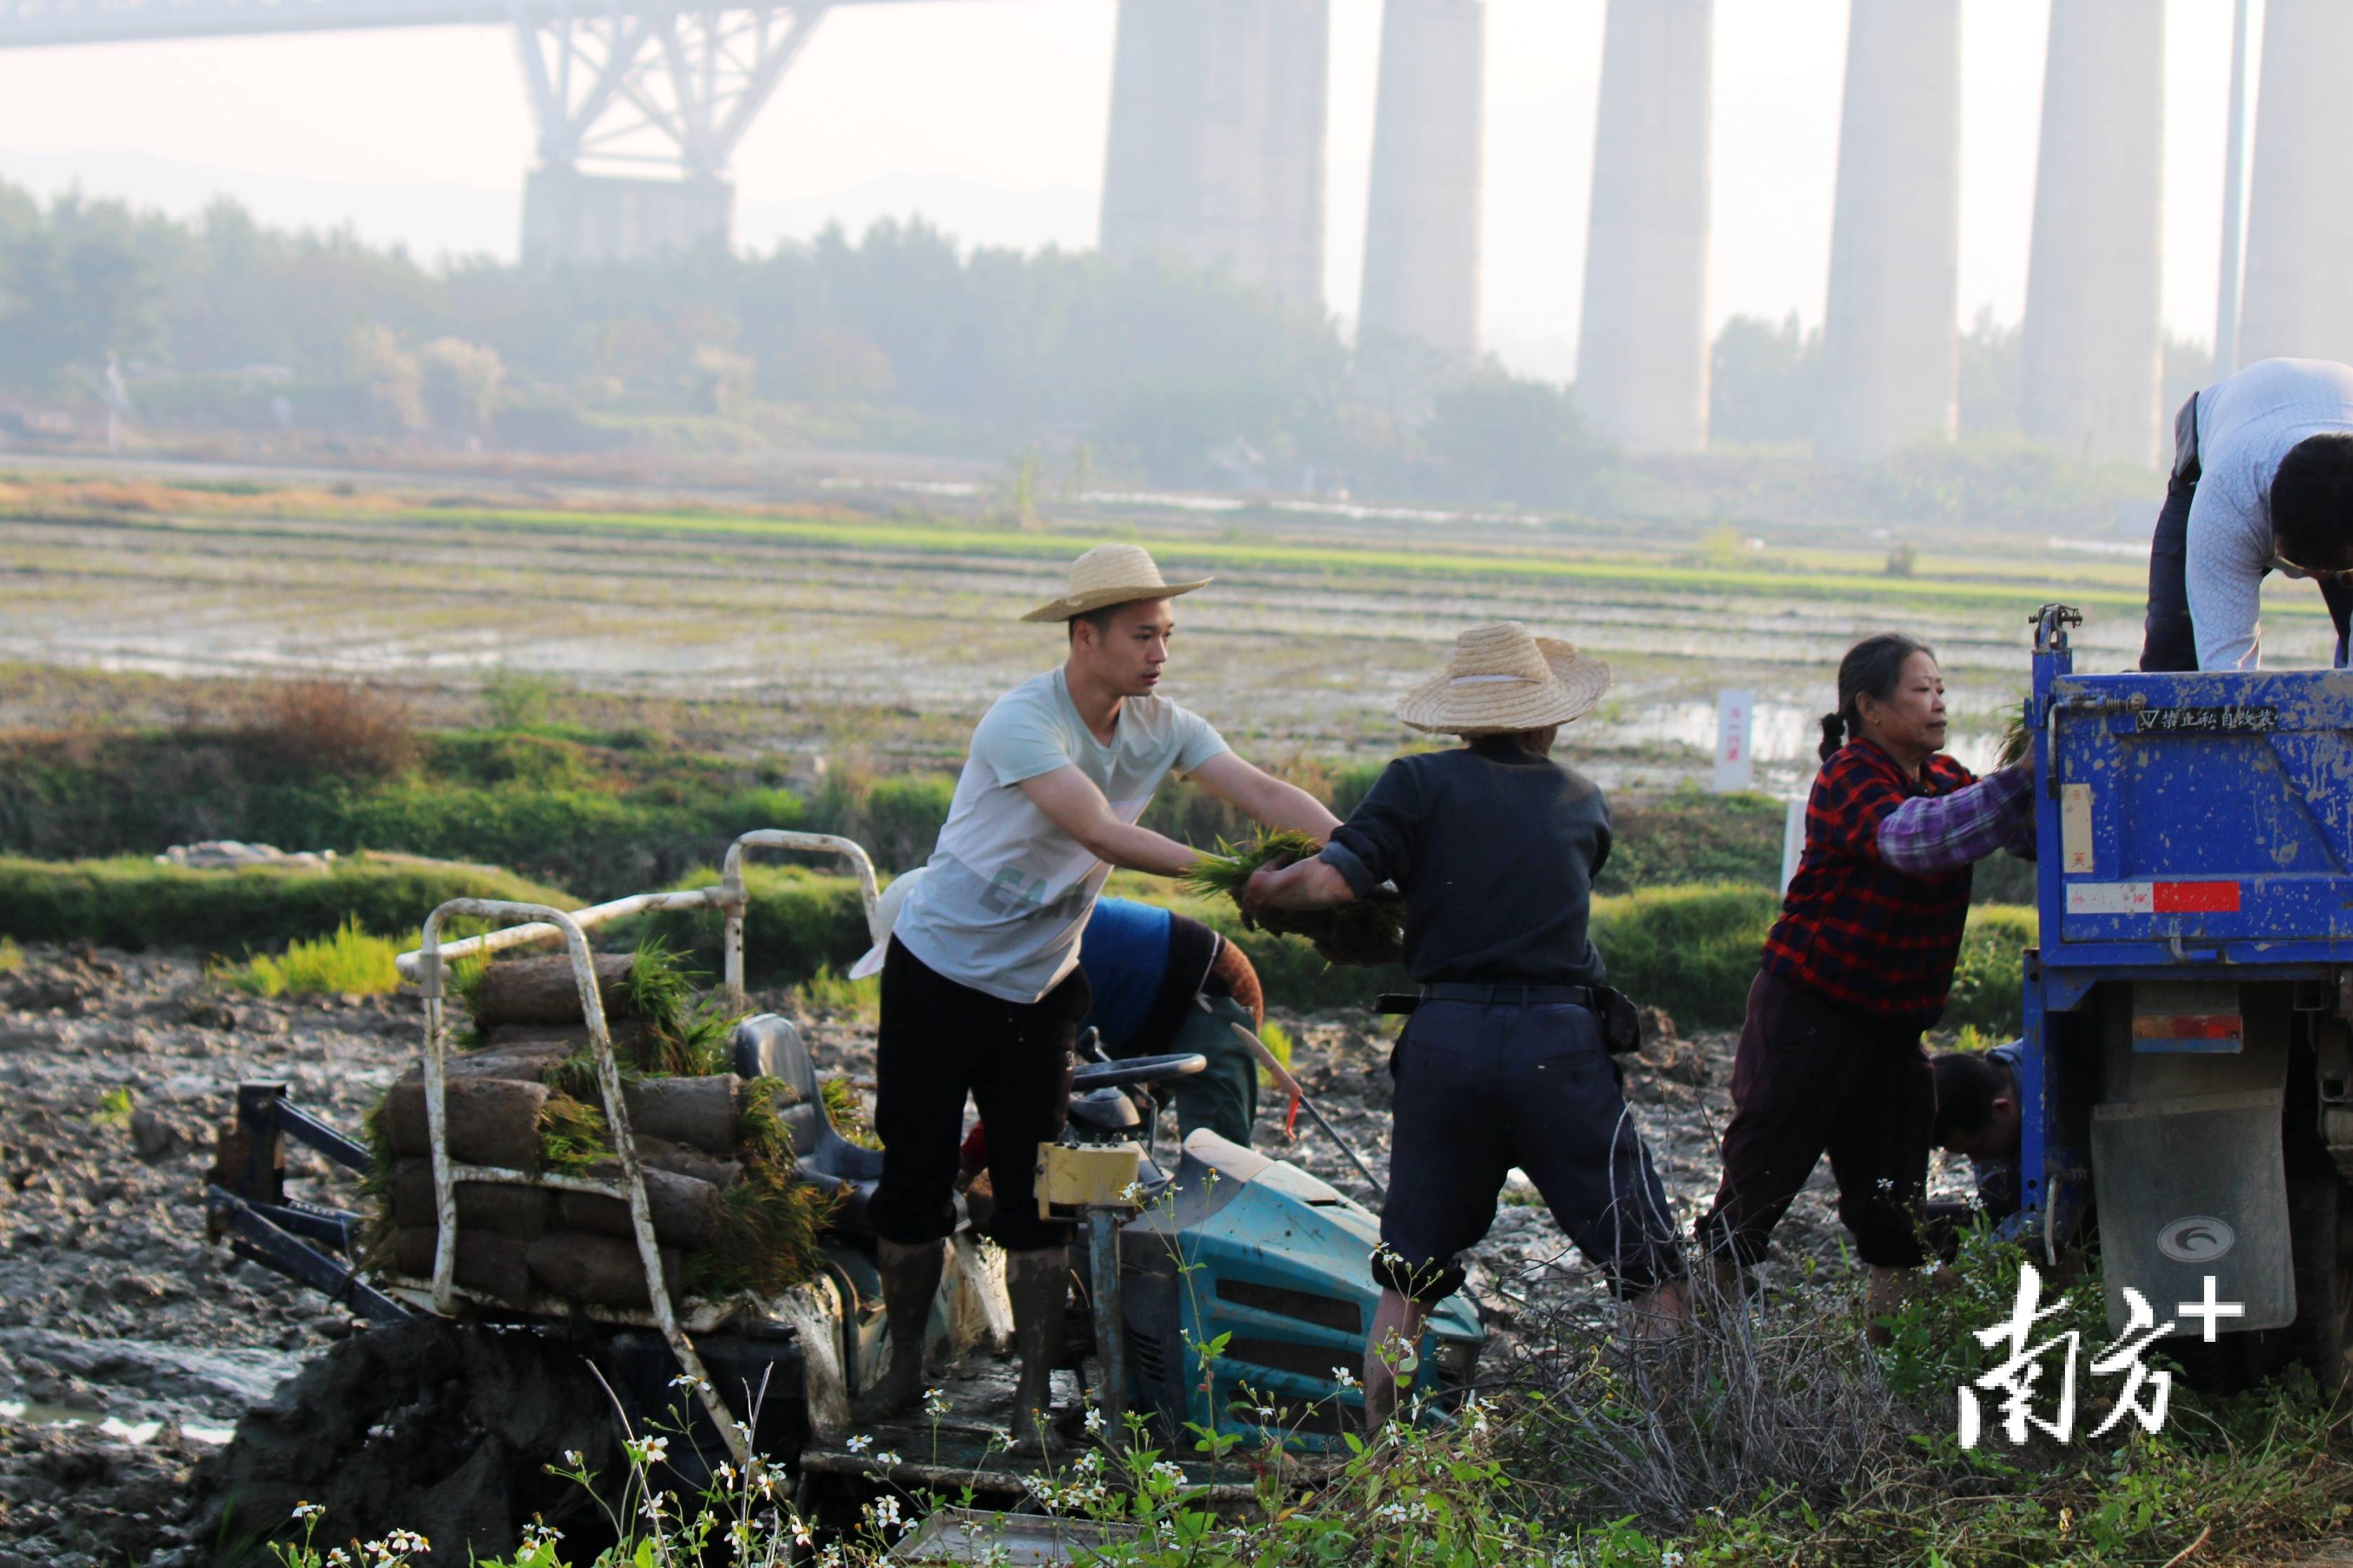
(1171, 374)
(1765, 376)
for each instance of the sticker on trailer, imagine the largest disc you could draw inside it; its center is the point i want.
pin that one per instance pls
(2244, 720)
(2153, 898)
(2076, 827)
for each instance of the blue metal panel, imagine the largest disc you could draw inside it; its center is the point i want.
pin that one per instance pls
(2219, 816)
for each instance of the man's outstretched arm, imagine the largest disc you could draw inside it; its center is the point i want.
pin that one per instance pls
(1262, 796)
(1073, 803)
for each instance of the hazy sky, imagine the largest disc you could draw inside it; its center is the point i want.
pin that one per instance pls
(990, 115)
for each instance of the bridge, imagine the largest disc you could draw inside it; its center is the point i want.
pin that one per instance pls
(1215, 156)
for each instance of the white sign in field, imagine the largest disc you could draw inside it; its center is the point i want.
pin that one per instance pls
(1735, 723)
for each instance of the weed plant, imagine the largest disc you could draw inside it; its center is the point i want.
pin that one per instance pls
(1769, 1433)
(349, 963)
(12, 957)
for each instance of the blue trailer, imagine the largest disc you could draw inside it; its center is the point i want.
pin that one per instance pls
(2188, 1070)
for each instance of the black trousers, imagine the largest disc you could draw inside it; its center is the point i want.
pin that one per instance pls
(1811, 1077)
(1482, 1087)
(2169, 640)
(939, 1041)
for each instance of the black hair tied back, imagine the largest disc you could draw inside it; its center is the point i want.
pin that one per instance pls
(1871, 669)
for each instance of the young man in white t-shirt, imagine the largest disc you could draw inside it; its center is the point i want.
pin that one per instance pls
(981, 987)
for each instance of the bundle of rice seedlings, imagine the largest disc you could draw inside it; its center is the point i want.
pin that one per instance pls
(729, 1209)
(2018, 735)
(1367, 932)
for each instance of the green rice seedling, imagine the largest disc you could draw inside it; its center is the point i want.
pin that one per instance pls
(1367, 932)
(1277, 1040)
(770, 1220)
(350, 962)
(827, 992)
(659, 988)
(573, 1135)
(113, 1108)
(846, 1111)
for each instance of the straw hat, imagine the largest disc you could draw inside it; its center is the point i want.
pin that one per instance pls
(1500, 679)
(1111, 574)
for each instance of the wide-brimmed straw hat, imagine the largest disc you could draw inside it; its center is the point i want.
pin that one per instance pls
(1112, 574)
(1503, 679)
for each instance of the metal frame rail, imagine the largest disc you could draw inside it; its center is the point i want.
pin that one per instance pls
(631, 1188)
(728, 896)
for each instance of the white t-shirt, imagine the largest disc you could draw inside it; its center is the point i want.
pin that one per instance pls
(2246, 424)
(1007, 892)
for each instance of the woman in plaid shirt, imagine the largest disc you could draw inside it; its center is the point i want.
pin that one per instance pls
(1859, 966)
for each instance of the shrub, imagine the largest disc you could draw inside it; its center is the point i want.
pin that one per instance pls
(309, 728)
(349, 963)
(1692, 951)
(136, 903)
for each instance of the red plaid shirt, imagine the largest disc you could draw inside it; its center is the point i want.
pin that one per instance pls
(1853, 928)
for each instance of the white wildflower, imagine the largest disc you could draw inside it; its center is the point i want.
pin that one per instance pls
(304, 1512)
(647, 1450)
(859, 1443)
(886, 1458)
(1094, 1419)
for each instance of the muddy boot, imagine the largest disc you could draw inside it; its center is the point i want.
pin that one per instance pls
(1039, 1285)
(1885, 1295)
(1659, 1314)
(910, 1278)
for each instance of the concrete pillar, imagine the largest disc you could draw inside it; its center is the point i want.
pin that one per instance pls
(1216, 154)
(574, 220)
(2299, 222)
(1888, 342)
(2092, 352)
(1421, 227)
(1641, 340)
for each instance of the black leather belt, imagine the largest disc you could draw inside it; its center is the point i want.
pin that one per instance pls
(1505, 995)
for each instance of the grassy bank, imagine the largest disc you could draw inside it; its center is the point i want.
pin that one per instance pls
(1690, 949)
(134, 903)
(606, 813)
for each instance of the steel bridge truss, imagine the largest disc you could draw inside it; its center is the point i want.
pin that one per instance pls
(669, 86)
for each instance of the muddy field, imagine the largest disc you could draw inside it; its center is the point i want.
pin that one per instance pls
(130, 1345)
(820, 641)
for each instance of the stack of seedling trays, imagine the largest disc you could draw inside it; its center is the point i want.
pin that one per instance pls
(521, 1093)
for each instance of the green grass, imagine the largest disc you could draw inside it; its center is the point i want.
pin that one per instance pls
(114, 1108)
(834, 995)
(134, 903)
(12, 957)
(350, 962)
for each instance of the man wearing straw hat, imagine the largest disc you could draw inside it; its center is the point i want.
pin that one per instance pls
(1505, 1062)
(982, 991)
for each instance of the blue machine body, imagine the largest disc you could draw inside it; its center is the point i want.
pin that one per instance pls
(1278, 1264)
(2193, 829)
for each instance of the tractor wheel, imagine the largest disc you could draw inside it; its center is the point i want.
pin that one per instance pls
(437, 1428)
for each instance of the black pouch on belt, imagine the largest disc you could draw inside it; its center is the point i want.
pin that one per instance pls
(1621, 1025)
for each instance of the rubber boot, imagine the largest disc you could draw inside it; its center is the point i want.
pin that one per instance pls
(1038, 1282)
(1883, 1296)
(1661, 1313)
(911, 1278)
(1390, 1357)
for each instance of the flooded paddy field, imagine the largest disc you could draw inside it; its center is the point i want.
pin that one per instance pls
(785, 625)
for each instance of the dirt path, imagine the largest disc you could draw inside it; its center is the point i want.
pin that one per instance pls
(130, 1343)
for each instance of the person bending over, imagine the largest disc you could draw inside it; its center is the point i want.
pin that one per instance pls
(2263, 481)
(1977, 1118)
